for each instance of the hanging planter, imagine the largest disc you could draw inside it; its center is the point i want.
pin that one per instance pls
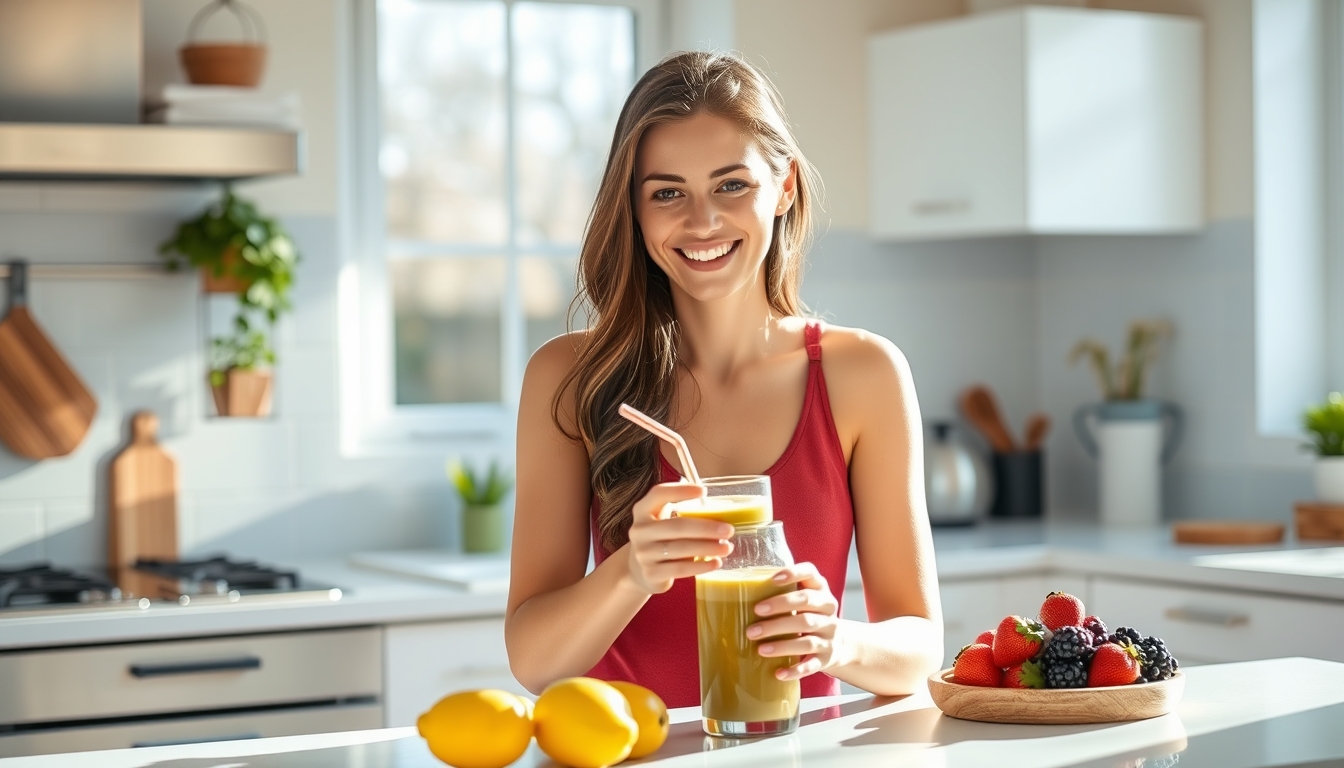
(234, 63)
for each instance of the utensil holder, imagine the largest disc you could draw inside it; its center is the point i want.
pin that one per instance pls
(1019, 480)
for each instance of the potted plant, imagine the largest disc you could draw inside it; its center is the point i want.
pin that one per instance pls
(1325, 422)
(240, 376)
(1129, 445)
(482, 512)
(243, 252)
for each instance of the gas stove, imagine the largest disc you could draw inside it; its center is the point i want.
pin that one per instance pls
(42, 588)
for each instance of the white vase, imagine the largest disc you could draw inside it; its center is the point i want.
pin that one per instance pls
(1330, 479)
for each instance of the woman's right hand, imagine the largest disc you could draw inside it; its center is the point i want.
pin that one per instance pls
(664, 548)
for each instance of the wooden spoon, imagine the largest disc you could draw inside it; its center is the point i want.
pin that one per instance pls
(982, 412)
(1038, 426)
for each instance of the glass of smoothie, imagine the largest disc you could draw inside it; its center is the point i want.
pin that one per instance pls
(739, 693)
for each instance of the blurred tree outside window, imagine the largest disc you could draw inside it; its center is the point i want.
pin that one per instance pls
(495, 121)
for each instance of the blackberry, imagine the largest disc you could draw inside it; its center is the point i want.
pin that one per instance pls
(1069, 643)
(1065, 673)
(1126, 636)
(1157, 663)
(1097, 627)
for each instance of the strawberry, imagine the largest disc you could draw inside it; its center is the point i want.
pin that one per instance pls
(1113, 664)
(986, 637)
(1024, 675)
(1061, 609)
(1016, 640)
(974, 665)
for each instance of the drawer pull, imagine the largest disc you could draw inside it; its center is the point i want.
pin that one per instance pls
(198, 740)
(1204, 616)
(940, 207)
(195, 667)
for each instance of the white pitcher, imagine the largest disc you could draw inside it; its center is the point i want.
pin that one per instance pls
(1131, 450)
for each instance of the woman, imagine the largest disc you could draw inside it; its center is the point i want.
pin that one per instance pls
(690, 267)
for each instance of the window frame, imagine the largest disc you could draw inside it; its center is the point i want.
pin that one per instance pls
(371, 422)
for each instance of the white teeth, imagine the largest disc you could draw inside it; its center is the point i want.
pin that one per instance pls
(710, 255)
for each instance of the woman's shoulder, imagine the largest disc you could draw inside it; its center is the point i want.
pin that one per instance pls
(556, 357)
(860, 354)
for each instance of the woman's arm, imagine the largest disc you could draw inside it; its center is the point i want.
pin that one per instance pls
(876, 412)
(560, 622)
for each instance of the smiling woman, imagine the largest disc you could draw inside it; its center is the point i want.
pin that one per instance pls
(689, 270)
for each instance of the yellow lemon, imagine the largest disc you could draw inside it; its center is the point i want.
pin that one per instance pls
(584, 723)
(650, 713)
(477, 729)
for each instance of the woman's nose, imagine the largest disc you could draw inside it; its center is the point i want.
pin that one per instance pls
(702, 219)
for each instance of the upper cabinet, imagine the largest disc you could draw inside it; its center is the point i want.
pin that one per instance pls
(1037, 120)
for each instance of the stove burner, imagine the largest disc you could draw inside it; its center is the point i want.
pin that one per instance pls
(40, 584)
(220, 574)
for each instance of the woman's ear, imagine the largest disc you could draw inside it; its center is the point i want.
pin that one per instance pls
(788, 190)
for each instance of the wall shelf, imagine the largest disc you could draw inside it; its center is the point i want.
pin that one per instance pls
(86, 152)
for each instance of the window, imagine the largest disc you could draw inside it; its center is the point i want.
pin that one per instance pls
(483, 130)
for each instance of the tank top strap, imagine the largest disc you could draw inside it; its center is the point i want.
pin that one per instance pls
(812, 334)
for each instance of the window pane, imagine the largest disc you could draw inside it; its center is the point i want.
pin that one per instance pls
(447, 329)
(547, 287)
(573, 66)
(441, 79)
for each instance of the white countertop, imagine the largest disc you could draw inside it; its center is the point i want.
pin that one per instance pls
(372, 597)
(1245, 715)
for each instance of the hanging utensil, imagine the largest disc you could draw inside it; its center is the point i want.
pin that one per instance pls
(45, 408)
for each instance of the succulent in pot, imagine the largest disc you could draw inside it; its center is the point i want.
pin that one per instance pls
(1325, 424)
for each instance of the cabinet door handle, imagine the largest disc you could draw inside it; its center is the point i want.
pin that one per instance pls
(941, 207)
(1206, 616)
(195, 667)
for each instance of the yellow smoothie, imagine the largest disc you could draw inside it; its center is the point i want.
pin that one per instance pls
(737, 683)
(734, 510)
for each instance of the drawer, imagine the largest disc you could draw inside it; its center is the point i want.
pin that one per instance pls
(251, 725)
(426, 662)
(1221, 625)
(189, 675)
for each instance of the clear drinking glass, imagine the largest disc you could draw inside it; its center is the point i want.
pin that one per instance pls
(739, 693)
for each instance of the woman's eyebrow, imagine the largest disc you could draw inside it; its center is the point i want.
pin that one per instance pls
(675, 179)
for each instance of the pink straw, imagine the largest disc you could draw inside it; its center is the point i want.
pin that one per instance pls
(647, 422)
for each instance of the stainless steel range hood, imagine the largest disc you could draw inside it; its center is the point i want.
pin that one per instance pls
(71, 152)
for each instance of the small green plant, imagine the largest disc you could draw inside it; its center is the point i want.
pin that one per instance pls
(1124, 380)
(232, 239)
(1325, 422)
(247, 349)
(479, 489)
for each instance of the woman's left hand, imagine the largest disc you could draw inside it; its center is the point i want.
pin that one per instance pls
(799, 623)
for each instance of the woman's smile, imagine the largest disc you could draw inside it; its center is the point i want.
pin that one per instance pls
(710, 256)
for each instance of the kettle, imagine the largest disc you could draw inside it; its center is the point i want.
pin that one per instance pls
(958, 485)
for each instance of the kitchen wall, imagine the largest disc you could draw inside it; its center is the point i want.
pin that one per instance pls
(1003, 311)
(1006, 310)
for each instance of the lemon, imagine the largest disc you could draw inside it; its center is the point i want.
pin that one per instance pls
(477, 729)
(584, 723)
(650, 714)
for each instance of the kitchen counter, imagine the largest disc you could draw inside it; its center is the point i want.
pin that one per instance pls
(995, 549)
(1246, 715)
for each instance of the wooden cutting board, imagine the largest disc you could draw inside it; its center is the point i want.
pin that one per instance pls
(1226, 532)
(142, 498)
(45, 409)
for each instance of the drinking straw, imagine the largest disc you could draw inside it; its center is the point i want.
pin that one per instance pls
(647, 422)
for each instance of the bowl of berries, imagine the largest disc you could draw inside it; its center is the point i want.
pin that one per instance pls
(1062, 666)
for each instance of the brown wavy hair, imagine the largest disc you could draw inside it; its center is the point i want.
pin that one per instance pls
(629, 354)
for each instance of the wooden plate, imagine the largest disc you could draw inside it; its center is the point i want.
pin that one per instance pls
(1055, 707)
(1226, 532)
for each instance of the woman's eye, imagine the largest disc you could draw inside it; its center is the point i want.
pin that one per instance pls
(665, 194)
(733, 185)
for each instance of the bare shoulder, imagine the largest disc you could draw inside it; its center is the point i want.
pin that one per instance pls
(857, 357)
(546, 373)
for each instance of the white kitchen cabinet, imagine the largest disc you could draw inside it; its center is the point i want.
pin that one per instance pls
(1214, 625)
(425, 662)
(1036, 120)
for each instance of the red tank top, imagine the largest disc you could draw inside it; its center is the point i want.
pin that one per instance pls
(809, 485)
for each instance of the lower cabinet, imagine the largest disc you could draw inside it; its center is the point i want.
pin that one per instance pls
(425, 662)
(1212, 625)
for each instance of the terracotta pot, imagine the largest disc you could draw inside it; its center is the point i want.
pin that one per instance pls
(239, 64)
(226, 282)
(243, 393)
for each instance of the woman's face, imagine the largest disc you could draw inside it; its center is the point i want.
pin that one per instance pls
(706, 200)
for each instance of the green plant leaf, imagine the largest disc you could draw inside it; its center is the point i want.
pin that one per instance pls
(1325, 423)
